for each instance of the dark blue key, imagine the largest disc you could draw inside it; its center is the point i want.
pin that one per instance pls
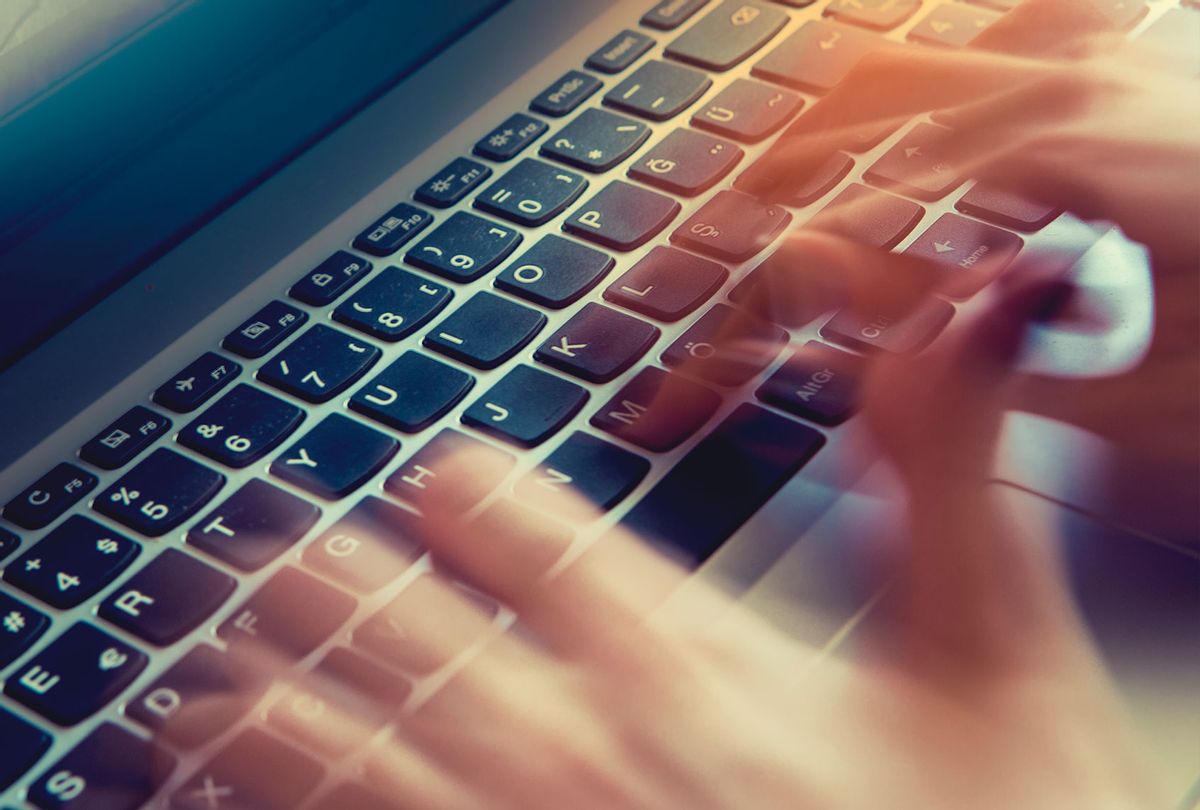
(330, 279)
(168, 598)
(566, 94)
(123, 440)
(393, 305)
(658, 90)
(464, 247)
(583, 470)
(319, 365)
(622, 216)
(54, 493)
(669, 14)
(620, 52)
(291, 615)
(9, 543)
(452, 183)
(111, 769)
(747, 111)
(657, 410)
(596, 140)
(532, 193)
(732, 227)
(160, 493)
(686, 162)
(393, 230)
(727, 35)
(242, 427)
(412, 393)
(485, 331)
(192, 387)
(509, 139)
(818, 382)
(667, 284)
(254, 525)
(264, 330)
(429, 470)
(246, 775)
(72, 562)
(555, 272)
(76, 675)
(20, 626)
(526, 407)
(21, 745)
(369, 547)
(597, 344)
(726, 346)
(335, 458)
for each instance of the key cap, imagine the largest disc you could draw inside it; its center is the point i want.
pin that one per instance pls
(509, 139)
(369, 547)
(658, 90)
(1006, 209)
(963, 244)
(111, 769)
(818, 382)
(686, 162)
(748, 111)
(657, 410)
(161, 492)
(319, 365)
(464, 247)
(620, 52)
(807, 190)
(870, 217)
(732, 226)
(878, 15)
(393, 305)
(452, 183)
(72, 563)
(196, 384)
(432, 470)
(54, 493)
(351, 794)
(485, 331)
(242, 427)
(168, 598)
(21, 745)
(951, 25)
(913, 165)
(77, 674)
(526, 407)
(1173, 37)
(393, 230)
(254, 525)
(669, 14)
(726, 346)
(566, 94)
(330, 279)
(555, 272)
(622, 216)
(9, 543)
(722, 482)
(264, 330)
(532, 193)
(412, 393)
(667, 284)
(20, 626)
(596, 140)
(291, 614)
(583, 467)
(888, 333)
(727, 35)
(335, 458)
(256, 771)
(816, 56)
(597, 344)
(125, 439)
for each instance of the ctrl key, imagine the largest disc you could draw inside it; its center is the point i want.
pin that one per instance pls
(910, 332)
(112, 769)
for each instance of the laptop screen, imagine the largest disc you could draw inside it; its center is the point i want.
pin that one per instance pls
(125, 125)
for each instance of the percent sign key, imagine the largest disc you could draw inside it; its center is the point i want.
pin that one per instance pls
(164, 490)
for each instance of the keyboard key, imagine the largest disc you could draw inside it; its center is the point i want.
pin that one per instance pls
(452, 183)
(913, 166)
(727, 35)
(732, 226)
(254, 525)
(351, 794)
(526, 407)
(412, 393)
(256, 771)
(686, 162)
(620, 52)
(1007, 209)
(880, 15)
(20, 626)
(291, 614)
(9, 543)
(622, 216)
(123, 440)
(393, 305)
(555, 272)
(21, 745)
(54, 493)
(722, 481)
(566, 94)
(393, 230)
(805, 191)
(160, 493)
(242, 427)
(168, 598)
(952, 25)
(726, 346)
(895, 335)
(748, 111)
(429, 471)
(192, 387)
(464, 247)
(583, 466)
(368, 548)
(657, 410)
(669, 14)
(658, 90)
(667, 284)
(264, 330)
(319, 365)
(330, 279)
(596, 140)
(532, 193)
(510, 138)
(72, 563)
(335, 458)
(76, 675)
(816, 56)
(869, 217)
(817, 382)
(597, 344)
(111, 769)
(485, 331)
(963, 244)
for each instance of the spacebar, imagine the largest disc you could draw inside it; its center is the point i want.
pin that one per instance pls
(721, 482)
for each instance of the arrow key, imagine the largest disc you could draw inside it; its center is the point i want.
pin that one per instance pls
(526, 407)
(913, 167)
(974, 253)
(952, 25)
(597, 344)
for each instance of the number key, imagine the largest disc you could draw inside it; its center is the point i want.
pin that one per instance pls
(319, 365)
(161, 492)
(394, 305)
(464, 247)
(72, 562)
(242, 427)
(532, 193)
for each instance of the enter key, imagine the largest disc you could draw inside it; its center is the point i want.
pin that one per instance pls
(972, 252)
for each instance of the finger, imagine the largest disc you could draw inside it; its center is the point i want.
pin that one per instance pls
(415, 779)
(1047, 28)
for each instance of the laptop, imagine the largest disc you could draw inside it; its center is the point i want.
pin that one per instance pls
(262, 264)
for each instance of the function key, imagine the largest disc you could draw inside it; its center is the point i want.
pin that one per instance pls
(622, 216)
(913, 165)
(658, 90)
(20, 626)
(910, 332)
(21, 745)
(726, 346)
(485, 331)
(748, 111)
(253, 771)
(464, 247)
(526, 407)
(290, 615)
(620, 52)
(254, 525)
(879, 15)
(583, 467)
(657, 410)
(319, 364)
(566, 94)
(532, 193)
(335, 458)
(509, 139)
(334, 276)
(952, 25)
(242, 427)
(667, 284)
(51, 495)
(393, 230)
(596, 140)
(868, 217)
(393, 305)
(192, 387)
(686, 162)
(816, 56)
(452, 183)
(124, 439)
(429, 470)
(732, 226)
(72, 562)
(412, 393)
(597, 344)
(555, 272)
(1004, 208)
(160, 493)
(973, 252)
(818, 382)
(727, 35)
(669, 14)
(9, 543)
(369, 547)
(265, 330)
(111, 769)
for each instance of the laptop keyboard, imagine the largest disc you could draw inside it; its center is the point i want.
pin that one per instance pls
(333, 339)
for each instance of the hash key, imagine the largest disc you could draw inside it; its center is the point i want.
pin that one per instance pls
(393, 230)
(732, 226)
(124, 439)
(335, 458)
(526, 407)
(686, 162)
(196, 384)
(72, 562)
(727, 35)
(319, 364)
(253, 525)
(510, 138)
(393, 305)
(597, 344)
(596, 140)
(485, 331)
(658, 90)
(330, 279)
(555, 272)
(464, 247)
(667, 284)
(531, 193)
(291, 614)
(622, 216)
(111, 769)
(242, 427)
(160, 493)
(22, 625)
(54, 493)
